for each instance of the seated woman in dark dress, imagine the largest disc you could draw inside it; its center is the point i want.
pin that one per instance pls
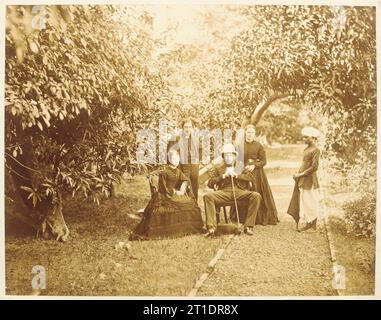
(171, 212)
(254, 161)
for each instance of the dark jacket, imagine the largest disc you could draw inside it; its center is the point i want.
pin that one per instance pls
(241, 182)
(308, 168)
(188, 148)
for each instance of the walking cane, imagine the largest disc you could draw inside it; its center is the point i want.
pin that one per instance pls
(236, 207)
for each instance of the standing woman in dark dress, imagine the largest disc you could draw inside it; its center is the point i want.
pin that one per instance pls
(171, 212)
(254, 161)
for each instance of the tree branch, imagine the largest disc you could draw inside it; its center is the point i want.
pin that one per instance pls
(260, 109)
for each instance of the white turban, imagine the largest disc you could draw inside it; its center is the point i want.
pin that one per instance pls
(310, 132)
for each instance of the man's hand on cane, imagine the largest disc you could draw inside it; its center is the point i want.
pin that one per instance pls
(230, 173)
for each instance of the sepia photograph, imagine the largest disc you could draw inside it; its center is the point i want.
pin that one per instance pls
(192, 150)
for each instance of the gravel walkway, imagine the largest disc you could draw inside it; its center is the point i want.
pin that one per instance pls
(277, 260)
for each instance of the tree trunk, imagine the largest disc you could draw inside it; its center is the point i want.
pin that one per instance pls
(53, 223)
(46, 217)
(261, 108)
(16, 208)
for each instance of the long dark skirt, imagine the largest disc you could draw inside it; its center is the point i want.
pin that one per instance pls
(267, 213)
(169, 217)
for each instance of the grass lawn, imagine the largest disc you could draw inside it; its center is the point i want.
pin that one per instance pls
(89, 264)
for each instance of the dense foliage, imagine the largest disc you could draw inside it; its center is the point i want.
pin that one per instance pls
(360, 216)
(76, 94)
(322, 56)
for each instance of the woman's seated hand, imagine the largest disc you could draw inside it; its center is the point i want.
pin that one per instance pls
(179, 192)
(250, 167)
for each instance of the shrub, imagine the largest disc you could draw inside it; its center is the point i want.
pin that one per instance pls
(360, 216)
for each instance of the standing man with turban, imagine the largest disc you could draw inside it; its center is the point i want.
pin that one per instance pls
(305, 199)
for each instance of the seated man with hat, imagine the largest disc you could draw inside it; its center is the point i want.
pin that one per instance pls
(230, 185)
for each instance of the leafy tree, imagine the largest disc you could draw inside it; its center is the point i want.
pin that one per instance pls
(190, 58)
(76, 93)
(323, 56)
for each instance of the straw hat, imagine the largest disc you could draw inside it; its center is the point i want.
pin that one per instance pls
(229, 148)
